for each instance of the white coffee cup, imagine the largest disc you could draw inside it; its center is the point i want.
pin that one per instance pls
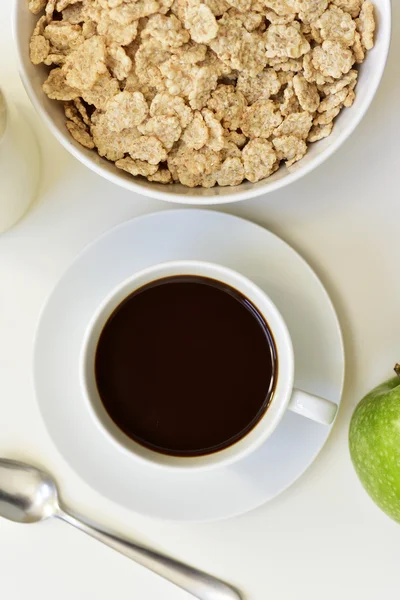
(284, 397)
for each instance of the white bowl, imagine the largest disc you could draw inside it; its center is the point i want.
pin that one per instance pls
(53, 115)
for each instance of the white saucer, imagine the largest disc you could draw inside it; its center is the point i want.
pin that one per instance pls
(209, 236)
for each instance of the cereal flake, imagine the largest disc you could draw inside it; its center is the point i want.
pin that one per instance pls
(195, 135)
(39, 49)
(353, 7)
(56, 87)
(126, 110)
(216, 138)
(74, 14)
(231, 172)
(85, 65)
(237, 47)
(310, 10)
(148, 148)
(319, 132)
(289, 148)
(80, 135)
(332, 59)
(261, 119)
(103, 90)
(297, 124)
(161, 176)
(118, 62)
(166, 129)
(333, 100)
(349, 79)
(285, 41)
(36, 6)
(228, 106)
(358, 49)
(307, 93)
(259, 160)
(366, 25)
(336, 25)
(168, 31)
(136, 167)
(201, 22)
(171, 106)
(327, 117)
(264, 85)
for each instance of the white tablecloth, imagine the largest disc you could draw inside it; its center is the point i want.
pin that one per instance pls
(323, 538)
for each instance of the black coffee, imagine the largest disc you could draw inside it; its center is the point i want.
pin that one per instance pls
(186, 366)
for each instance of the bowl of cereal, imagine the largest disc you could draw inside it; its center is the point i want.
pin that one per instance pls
(202, 101)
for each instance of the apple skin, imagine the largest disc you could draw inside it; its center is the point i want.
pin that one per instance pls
(374, 440)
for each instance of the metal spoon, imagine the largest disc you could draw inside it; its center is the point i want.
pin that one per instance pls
(29, 495)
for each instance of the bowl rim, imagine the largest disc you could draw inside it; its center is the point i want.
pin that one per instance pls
(189, 197)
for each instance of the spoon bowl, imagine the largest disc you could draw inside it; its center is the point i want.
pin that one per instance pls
(27, 494)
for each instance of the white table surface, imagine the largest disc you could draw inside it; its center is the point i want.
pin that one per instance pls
(321, 539)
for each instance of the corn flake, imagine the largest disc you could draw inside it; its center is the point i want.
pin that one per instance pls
(126, 110)
(327, 117)
(307, 93)
(115, 32)
(259, 160)
(290, 103)
(165, 129)
(136, 167)
(319, 132)
(310, 10)
(85, 65)
(118, 62)
(263, 85)
(349, 79)
(56, 87)
(261, 119)
(289, 148)
(63, 36)
(237, 47)
(297, 124)
(336, 25)
(39, 49)
(228, 106)
(74, 14)
(36, 6)
(332, 59)
(81, 135)
(168, 31)
(195, 135)
(161, 176)
(333, 100)
(103, 90)
(353, 7)
(283, 8)
(201, 22)
(216, 138)
(165, 104)
(358, 49)
(148, 148)
(286, 41)
(231, 172)
(126, 13)
(366, 25)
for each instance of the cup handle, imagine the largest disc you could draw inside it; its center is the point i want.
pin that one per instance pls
(313, 407)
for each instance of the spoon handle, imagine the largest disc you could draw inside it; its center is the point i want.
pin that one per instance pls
(197, 583)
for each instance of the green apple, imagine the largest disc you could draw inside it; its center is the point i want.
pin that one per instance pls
(374, 440)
